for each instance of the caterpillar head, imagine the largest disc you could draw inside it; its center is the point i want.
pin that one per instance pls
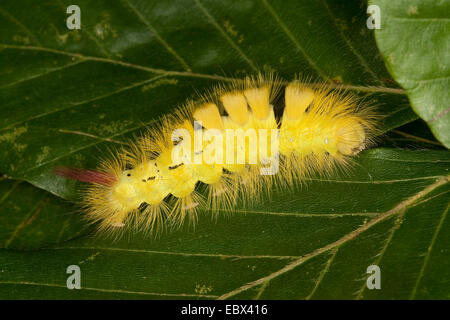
(125, 191)
(110, 197)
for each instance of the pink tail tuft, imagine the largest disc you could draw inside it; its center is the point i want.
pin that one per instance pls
(84, 175)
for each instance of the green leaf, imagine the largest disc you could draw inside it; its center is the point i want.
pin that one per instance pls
(313, 242)
(414, 40)
(31, 218)
(65, 96)
(414, 135)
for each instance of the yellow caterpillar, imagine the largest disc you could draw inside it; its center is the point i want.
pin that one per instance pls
(233, 145)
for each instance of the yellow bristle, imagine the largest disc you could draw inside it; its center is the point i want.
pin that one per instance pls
(350, 136)
(236, 106)
(297, 99)
(320, 130)
(258, 99)
(209, 116)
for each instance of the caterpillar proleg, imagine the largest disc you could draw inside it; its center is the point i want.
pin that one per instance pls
(236, 143)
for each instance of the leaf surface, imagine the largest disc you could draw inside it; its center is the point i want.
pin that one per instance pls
(66, 96)
(414, 39)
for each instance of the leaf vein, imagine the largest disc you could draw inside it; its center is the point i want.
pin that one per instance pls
(184, 73)
(380, 255)
(111, 290)
(134, 85)
(158, 36)
(87, 146)
(350, 236)
(6, 195)
(89, 135)
(19, 24)
(186, 254)
(42, 74)
(28, 218)
(361, 59)
(294, 40)
(430, 248)
(324, 271)
(224, 34)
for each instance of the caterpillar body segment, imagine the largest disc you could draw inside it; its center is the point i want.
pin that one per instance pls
(230, 146)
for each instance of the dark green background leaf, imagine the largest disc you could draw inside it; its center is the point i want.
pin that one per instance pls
(415, 40)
